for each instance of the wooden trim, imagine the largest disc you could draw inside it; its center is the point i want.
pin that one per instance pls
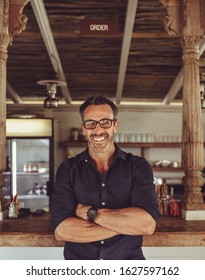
(33, 231)
(175, 239)
(158, 239)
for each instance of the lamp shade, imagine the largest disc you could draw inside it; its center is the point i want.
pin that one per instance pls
(50, 102)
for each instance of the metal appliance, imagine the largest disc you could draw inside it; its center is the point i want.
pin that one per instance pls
(30, 162)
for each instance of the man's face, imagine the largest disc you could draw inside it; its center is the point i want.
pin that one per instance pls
(99, 139)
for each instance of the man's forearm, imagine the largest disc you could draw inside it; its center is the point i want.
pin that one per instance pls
(131, 221)
(75, 229)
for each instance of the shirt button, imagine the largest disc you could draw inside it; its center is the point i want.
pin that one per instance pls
(103, 184)
(102, 242)
(103, 202)
(86, 160)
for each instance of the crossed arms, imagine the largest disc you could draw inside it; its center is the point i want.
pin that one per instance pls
(108, 223)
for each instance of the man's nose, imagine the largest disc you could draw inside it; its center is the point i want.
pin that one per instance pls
(98, 127)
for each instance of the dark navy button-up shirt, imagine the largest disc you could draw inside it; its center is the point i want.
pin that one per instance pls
(127, 183)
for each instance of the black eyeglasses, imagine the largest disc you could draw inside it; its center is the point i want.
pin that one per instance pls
(104, 123)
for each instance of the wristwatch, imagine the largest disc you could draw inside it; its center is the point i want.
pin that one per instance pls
(92, 214)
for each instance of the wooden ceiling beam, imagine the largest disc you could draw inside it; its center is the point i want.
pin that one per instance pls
(76, 34)
(13, 94)
(129, 25)
(46, 32)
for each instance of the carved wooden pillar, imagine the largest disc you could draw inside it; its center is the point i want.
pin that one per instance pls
(11, 22)
(4, 42)
(192, 150)
(186, 20)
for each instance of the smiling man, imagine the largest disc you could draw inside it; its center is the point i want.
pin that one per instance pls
(104, 199)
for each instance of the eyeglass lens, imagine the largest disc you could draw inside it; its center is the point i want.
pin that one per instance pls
(104, 123)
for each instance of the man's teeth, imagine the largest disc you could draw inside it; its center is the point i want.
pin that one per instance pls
(100, 138)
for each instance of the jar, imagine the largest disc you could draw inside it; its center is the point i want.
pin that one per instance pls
(74, 134)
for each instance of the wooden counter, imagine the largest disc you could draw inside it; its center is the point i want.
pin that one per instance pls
(33, 231)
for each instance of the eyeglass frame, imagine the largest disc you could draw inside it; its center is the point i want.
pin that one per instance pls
(98, 122)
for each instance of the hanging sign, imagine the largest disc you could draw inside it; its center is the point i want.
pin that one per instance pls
(98, 27)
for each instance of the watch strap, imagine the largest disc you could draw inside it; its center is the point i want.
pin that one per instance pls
(91, 214)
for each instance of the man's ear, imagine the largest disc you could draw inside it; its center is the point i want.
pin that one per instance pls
(116, 125)
(82, 128)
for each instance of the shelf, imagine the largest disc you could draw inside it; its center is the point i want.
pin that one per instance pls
(66, 143)
(150, 145)
(28, 173)
(141, 145)
(167, 169)
(28, 196)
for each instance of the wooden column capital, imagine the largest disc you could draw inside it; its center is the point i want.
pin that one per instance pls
(181, 14)
(192, 18)
(172, 19)
(17, 21)
(4, 42)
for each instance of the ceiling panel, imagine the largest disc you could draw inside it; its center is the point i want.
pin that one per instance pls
(91, 63)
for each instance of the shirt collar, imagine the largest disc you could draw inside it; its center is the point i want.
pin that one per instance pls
(84, 156)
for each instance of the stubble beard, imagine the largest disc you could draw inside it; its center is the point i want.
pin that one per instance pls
(101, 147)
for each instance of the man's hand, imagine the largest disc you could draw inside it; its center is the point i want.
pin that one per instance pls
(130, 221)
(81, 211)
(79, 229)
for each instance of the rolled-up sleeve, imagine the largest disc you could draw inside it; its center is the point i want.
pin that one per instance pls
(63, 201)
(143, 190)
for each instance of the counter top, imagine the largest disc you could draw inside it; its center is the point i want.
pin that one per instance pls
(32, 231)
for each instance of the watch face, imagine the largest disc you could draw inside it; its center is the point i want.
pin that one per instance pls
(91, 214)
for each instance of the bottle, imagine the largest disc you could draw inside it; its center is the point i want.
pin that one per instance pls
(164, 200)
(8, 164)
(174, 209)
(74, 134)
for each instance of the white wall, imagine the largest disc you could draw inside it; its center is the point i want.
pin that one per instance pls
(161, 123)
(56, 253)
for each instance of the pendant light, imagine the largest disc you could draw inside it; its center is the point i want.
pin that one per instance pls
(51, 101)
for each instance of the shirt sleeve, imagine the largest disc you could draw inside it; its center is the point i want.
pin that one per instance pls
(63, 202)
(144, 194)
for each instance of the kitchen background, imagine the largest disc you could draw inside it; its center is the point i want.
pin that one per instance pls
(152, 125)
(157, 122)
